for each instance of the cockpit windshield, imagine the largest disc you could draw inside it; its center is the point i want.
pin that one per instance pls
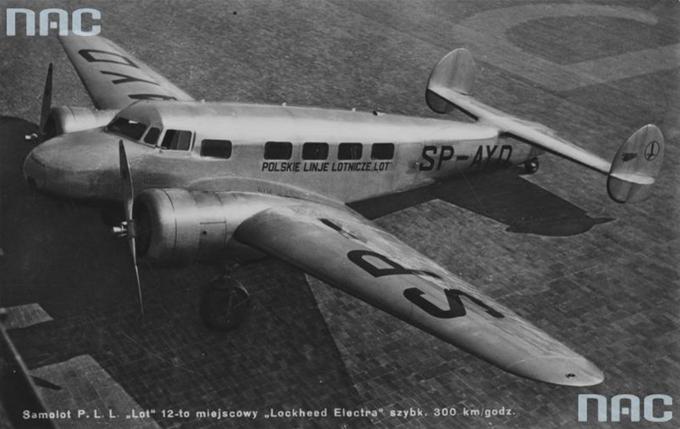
(127, 127)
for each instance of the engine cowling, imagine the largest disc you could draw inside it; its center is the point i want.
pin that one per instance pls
(178, 226)
(67, 119)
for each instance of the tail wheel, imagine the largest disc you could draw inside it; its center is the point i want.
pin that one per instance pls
(531, 166)
(224, 304)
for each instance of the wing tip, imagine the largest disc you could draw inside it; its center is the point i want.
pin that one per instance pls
(575, 371)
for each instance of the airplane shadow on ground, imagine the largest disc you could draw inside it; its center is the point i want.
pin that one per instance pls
(502, 195)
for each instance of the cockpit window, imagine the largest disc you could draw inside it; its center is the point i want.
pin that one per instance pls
(176, 140)
(151, 137)
(127, 127)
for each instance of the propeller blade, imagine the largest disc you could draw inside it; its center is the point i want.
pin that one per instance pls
(128, 194)
(133, 252)
(126, 179)
(46, 103)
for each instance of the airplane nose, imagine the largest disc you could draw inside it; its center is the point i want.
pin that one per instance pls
(82, 166)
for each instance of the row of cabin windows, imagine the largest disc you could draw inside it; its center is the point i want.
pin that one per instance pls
(310, 151)
(181, 140)
(319, 151)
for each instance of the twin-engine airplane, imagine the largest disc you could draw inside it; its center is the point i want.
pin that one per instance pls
(227, 182)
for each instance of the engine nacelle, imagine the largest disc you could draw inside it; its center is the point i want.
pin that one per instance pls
(66, 119)
(178, 226)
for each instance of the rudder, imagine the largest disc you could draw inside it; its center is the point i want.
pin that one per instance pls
(456, 71)
(636, 165)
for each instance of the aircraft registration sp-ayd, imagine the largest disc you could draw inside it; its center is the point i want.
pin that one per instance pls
(226, 182)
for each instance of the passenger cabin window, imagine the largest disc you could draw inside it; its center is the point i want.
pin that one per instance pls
(216, 148)
(278, 150)
(349, 151)
(152, 135)
(176, 140)
(382, 151)
(127, 127)
(315, 151)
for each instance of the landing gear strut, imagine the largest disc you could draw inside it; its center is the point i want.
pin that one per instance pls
(531, 166)
(225, 302)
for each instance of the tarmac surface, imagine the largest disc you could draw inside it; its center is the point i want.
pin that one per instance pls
(599, 276)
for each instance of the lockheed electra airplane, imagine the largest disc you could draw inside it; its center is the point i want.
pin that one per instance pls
(232, 182)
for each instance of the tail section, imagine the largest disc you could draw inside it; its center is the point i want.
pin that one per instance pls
(455, 71)
(630, 175)
(636, 165)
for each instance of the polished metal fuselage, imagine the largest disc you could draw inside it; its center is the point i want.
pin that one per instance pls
(85, 164)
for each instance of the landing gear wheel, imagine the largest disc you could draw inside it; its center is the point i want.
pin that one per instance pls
(531, 166)
(224, 304)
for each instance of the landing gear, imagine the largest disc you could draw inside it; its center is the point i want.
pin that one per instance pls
(225, 303)
(531, 166)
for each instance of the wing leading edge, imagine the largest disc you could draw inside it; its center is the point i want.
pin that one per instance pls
(348, 252)
(113, 77)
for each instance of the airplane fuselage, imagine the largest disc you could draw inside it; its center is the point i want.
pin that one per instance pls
(312, 153)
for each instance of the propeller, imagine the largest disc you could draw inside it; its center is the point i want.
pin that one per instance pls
(127, 227)
(46, 104)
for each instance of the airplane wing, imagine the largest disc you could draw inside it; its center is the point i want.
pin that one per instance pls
(353, 255)
(114, 78)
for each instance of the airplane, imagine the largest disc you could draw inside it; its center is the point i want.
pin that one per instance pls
(231, 183)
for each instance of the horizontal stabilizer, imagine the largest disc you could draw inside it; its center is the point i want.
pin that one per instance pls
(630, 175)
